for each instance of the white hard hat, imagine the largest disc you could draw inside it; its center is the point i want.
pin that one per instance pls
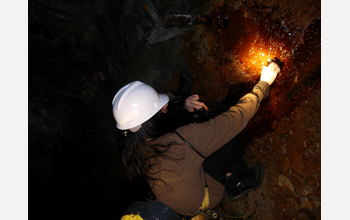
(135, 103)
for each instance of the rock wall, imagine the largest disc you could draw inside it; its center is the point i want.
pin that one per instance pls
(82, 52)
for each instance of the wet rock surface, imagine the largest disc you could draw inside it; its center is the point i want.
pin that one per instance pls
(81, 53)
(225, 63)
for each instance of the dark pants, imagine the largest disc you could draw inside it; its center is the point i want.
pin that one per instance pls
(227, 159)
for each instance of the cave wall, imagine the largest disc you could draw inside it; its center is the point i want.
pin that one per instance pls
(82, 52)
(71, 132)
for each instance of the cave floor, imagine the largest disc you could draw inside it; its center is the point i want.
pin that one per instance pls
(285, 134)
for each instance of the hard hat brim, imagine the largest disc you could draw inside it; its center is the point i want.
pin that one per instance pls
(163, 99)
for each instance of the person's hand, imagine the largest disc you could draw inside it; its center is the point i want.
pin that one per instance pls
(269, 73)
(191, 103)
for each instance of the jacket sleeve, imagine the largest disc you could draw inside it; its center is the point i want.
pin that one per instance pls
(209, 136)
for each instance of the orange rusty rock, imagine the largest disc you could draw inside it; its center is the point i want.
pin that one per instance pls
(302, 216)
(274, 124)
(297, 163)
(228, 63)
(285, 165)
(285, 182)
(305, 203)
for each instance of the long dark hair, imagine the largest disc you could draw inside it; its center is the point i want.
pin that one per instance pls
(139, 156)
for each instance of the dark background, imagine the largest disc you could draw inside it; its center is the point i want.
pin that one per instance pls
(80, 53)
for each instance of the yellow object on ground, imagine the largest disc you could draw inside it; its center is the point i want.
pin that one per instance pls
(131, 217)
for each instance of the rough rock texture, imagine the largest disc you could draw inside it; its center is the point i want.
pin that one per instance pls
(285, 133)
(149, 51)
(82, 52)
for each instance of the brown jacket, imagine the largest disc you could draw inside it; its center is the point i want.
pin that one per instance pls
(185, 178)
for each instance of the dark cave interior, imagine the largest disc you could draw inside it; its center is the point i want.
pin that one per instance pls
(80, 53)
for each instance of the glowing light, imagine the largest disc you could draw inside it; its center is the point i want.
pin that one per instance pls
(258, 47)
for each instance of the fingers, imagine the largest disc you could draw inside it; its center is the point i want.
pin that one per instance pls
(264, 68)
(195, 104)
(269, 73)
(193, 97)
(192, 103)
(274, 67)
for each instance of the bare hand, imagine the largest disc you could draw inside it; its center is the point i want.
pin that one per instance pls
(191, 103)
(269, 73)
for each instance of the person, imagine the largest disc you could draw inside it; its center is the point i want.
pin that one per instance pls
(180, 162)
